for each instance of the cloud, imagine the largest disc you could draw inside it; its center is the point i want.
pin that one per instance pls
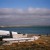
(29, 16)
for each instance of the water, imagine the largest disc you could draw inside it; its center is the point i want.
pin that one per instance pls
(33, 29)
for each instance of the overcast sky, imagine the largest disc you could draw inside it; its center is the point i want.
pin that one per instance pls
(25, 12)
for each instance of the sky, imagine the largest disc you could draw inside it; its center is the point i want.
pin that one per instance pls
(24, 12)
